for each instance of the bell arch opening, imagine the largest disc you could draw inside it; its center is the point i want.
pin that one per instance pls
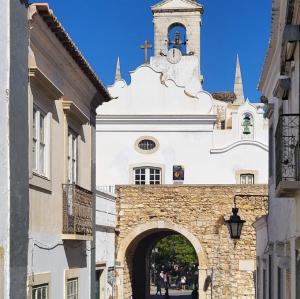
(177, 37)
(135, 256)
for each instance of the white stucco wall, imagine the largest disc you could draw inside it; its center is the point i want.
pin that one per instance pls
(184, 127)
(47, 253)
(105, 233)
(4, 144)
(190, 149)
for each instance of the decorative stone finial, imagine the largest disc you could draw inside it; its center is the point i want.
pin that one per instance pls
(118, 76)
(238, 84)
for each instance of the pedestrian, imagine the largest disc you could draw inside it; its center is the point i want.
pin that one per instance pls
(166, 279)
(158, 283)
(166, 283)
(161, 274)
(183, 282)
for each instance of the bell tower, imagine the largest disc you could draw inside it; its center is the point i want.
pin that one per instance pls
(177, 13)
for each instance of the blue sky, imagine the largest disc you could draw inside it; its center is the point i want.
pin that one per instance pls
(104, 30)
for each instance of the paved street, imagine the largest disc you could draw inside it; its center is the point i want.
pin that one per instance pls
(174, 294)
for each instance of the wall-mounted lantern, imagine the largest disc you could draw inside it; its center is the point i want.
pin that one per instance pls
(235, 223)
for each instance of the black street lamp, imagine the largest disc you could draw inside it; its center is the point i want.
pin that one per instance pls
(235, 223)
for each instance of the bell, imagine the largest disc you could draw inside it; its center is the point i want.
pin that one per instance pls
(246, 125)
(246, 130)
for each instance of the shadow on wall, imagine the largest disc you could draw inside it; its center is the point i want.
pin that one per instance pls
(76, 253)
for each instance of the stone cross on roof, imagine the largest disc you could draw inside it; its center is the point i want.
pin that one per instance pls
(146, 46)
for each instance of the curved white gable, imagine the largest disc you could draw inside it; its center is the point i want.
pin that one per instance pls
(148, 94)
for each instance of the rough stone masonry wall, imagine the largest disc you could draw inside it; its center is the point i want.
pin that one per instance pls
(201, 210)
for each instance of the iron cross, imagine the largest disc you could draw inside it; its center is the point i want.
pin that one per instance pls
(146, 46)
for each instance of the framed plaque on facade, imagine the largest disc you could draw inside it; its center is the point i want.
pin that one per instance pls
(178, 173)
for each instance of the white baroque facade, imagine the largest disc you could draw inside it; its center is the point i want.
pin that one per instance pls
(165, 124)
(278, 233)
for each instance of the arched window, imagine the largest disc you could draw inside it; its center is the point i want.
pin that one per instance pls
(247, 126)
(177, 37)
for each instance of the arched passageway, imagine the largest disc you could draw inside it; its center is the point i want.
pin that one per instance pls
(134, 256)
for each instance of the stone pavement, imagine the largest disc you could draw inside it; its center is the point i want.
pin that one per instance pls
(174, 294)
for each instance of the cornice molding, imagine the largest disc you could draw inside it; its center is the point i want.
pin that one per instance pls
(239, 143)
(37, 76)
(156, 119)
(72, 110)
(260, 222)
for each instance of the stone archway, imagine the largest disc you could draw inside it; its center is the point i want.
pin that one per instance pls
(132, 273)
(147, 213)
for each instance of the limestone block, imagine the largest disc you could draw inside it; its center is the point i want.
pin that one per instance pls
(196, 210)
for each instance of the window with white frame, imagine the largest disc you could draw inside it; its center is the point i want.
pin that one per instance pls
(39, 142)
(147, 176)
(40, 292)
(72, 157)
(247, 179)
(72, 288)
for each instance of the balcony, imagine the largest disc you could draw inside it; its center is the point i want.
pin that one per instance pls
(77, 213)
(287, 155)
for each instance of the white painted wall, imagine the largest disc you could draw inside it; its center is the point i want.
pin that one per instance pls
(47, 253)
(105, 233)
(184, 127)
(105, 227)
(4, 143)
(190, 149)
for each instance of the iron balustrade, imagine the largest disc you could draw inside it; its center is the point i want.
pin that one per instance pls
(287, 148)
(77, 210)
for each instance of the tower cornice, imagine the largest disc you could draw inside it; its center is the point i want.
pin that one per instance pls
(200, 9)
(168, 6)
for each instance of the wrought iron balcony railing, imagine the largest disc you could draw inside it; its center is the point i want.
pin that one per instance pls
(77, 211)
(287, 149)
